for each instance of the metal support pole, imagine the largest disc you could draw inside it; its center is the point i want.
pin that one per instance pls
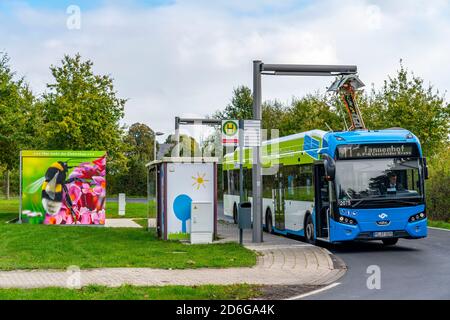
(241, 173)
(257, 236)
(154, 148)
(176, 151)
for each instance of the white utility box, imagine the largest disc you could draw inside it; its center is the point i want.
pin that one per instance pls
(202, 222)
(122, 204)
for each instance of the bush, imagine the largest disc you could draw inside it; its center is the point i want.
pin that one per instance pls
(438, 186)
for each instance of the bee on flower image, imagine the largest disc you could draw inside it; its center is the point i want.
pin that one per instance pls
(75, 198)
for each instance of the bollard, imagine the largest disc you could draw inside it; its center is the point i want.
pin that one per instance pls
(122, 204)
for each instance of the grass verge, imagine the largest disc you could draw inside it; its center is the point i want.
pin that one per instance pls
(132, 210)
(9, 209)
(439, 224)
(231, 292)
(57, 247)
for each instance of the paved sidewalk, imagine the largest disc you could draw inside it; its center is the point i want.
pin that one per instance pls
(121, 223)
(281, 261)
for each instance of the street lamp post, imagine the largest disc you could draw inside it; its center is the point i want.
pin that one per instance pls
(157, 134)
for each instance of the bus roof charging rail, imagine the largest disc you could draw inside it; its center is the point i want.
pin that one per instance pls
(259, 69)
(346, 86)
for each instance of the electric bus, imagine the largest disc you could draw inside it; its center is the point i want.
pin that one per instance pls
(337, 186)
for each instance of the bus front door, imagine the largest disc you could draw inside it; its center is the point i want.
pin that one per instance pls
(322, 202)
(279, 201)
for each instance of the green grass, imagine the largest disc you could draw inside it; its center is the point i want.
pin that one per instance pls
(57, 247)
(439, 224)
(232, 292)
(9, 209)
(132, 210)
(142, 222)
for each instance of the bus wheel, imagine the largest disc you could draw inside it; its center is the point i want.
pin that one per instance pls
(269, 226)
(235, 213)
(390, 241)
(309, 230)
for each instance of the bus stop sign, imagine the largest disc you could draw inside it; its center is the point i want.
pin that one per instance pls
(230, 132)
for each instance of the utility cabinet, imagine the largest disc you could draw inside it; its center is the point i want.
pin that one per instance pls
(185, 193)
(202, 222)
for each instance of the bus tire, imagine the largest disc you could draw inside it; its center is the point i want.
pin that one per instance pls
(235, 213)
(269, 225)
(309, 230)
(390, 241)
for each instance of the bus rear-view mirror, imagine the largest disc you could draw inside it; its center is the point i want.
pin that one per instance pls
(330, 169)
(425, 168)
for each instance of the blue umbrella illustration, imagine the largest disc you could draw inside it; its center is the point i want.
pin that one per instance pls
(182, 209)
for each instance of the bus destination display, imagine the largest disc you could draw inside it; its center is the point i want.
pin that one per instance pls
(376, 151)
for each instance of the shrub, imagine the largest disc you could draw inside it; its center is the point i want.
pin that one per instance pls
(438, 186)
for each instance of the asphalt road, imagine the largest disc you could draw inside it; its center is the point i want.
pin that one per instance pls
(412, 269)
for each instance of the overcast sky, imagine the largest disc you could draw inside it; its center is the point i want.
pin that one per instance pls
(185, 57)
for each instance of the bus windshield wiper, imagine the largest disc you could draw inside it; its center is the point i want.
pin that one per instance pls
(378, 200)
(358, 202)
(401, 201)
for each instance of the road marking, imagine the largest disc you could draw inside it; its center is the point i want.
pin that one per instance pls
(439, 228)
(314, 291)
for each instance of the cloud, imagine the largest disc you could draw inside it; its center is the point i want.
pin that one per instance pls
(184, 58)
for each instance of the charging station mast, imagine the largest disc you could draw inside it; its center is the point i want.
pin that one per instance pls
(259, 69)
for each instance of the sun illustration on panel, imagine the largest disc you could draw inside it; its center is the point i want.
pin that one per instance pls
(199, 181)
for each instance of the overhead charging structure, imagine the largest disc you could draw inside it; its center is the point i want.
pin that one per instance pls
(346, 84)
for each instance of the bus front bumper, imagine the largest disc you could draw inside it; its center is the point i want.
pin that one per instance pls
(370, 231)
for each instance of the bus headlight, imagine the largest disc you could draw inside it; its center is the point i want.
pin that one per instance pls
(417, 217)
(347, 220)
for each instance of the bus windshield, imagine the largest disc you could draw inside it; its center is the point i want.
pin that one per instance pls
(378, 179)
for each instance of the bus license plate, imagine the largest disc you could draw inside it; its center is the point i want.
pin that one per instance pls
(384, 234)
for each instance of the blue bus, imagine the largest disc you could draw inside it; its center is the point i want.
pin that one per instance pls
(337, 186)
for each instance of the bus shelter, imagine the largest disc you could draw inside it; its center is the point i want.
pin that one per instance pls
(182, 193)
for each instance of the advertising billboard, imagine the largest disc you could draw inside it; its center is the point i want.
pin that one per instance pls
(63, 187)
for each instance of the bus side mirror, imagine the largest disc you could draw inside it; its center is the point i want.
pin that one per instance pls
(330, 169)
(425, 168)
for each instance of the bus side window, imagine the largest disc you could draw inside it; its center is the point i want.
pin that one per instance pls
(268, 186)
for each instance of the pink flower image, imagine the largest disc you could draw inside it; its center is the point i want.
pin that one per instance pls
(84, 201)
(98, 217)
(85, 215)
(74, 193)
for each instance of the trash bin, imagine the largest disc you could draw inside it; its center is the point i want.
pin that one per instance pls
(245, 215)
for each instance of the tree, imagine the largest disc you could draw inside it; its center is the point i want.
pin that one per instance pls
(81, 111)
(273, 114)
(309, 113)
(438, 186)
(133, 181)
(188, 146)
(404, 101)
(17, 123)
(140, 140)
(241, 106)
